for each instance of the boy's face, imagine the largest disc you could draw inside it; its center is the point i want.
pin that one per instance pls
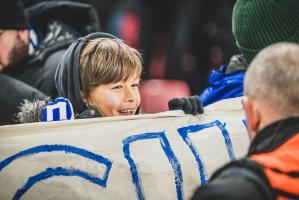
(116, 99)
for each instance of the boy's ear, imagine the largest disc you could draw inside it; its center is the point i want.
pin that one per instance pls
(83, 97)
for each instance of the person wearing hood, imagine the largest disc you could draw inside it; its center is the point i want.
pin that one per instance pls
(32, 41)
(100, 75)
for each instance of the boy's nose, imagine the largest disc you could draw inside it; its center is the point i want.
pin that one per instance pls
(129, 95)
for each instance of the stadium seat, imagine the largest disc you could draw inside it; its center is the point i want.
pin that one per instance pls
(155, 93)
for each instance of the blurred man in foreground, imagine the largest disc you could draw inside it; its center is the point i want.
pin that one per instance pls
(270, 171)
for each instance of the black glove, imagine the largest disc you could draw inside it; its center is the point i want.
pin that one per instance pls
(190, 105)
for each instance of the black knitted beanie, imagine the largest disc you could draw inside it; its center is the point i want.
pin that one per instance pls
(12, 15)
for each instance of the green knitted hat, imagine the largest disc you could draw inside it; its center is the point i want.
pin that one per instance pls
(259, 23)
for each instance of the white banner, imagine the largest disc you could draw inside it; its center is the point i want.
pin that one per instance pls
(160, 156)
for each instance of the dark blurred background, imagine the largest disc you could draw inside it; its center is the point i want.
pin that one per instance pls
(179, 39)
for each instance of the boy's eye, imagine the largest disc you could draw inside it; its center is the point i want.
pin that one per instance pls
(135, 85)
(117, 87)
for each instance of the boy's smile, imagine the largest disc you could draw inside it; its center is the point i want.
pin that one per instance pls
(116, 99)
(127, 111)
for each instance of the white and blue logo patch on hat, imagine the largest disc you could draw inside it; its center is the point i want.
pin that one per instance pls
(60, 109)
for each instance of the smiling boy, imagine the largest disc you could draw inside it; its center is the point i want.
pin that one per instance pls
(100, 75)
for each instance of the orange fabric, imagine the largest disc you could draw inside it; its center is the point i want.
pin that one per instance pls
(283, 182)
(285, 159)
(277, 159)
(283, 198)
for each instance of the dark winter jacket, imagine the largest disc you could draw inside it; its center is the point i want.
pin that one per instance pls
(12, 93)
(270, 171)
(57, 24)
(89, 113)
(67, 78)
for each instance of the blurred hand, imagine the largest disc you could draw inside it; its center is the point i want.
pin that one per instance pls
(190, 105)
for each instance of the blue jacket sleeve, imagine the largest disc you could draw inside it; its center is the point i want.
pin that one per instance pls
(223, 86)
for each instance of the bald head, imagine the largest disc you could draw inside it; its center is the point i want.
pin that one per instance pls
(273, 78)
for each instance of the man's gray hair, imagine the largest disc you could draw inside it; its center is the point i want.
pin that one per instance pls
(273, 77)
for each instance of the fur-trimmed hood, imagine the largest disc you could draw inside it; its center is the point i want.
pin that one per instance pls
(31, 111)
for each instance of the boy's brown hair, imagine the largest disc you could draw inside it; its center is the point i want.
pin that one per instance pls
(107, 60)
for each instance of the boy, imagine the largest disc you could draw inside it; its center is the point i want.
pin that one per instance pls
(100, 76)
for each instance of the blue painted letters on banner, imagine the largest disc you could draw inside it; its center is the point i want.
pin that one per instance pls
(169, 153)
(194, 129)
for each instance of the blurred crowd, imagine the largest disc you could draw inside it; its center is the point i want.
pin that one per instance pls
(181, 42)
(178, 39)
(92, 53)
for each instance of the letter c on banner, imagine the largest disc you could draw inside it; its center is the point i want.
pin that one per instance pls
(59, 171)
